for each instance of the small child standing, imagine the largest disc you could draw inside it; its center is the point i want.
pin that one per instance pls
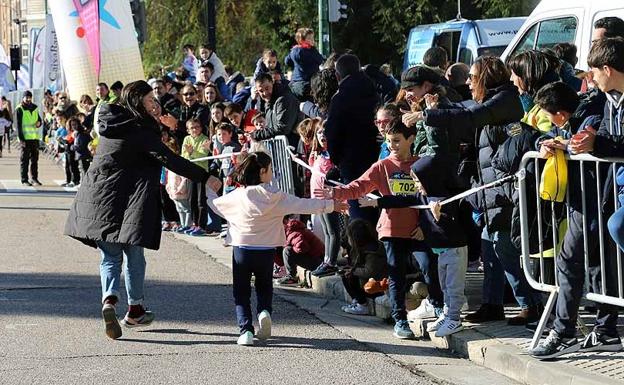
(179, 188)
(197, 145)
(330, 222)
(391, 176)
(72, 174)
(225, 133)
(442, 233)
(255, 213)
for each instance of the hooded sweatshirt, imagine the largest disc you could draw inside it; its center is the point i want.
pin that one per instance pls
(432, 173)
(302, 240)
(389, 176)
(255, 213)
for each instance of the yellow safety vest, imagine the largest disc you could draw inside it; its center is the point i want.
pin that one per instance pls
(30, 131)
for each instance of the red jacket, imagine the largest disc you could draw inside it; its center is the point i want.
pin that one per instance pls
(302, 240)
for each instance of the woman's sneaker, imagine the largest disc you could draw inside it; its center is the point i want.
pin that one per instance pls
(113, 330)
(601, 342)
(264, 331)
(435, 325)
(190, 230)
(448, 327)
(554, 346)
(402, 330)
(245, 339)
(146, 319)
(356, 308)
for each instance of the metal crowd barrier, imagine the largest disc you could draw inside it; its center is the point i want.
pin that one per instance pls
(555, 233)
(283, 176)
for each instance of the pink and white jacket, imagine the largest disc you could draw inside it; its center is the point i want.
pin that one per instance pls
(255, 213)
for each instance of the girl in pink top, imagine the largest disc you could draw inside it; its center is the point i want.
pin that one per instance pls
(255, 212)
(330, 222)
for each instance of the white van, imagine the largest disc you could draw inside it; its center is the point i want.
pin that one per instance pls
(464, 40)
(563, 21)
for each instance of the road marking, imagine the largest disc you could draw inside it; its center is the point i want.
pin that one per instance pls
(17, 326)
(15, 185)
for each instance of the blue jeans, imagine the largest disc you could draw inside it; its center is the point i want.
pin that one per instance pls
(246, 262)
(398, 254)
(616, 227)
(499, 255)
(110, 270)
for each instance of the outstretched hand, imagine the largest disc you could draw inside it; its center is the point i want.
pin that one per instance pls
(169, 121)
(325, 193)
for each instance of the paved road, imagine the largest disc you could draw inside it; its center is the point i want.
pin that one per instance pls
(51, 332)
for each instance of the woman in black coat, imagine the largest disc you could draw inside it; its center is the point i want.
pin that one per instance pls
(117, 208)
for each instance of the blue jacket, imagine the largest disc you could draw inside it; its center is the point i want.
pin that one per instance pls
(304, 61)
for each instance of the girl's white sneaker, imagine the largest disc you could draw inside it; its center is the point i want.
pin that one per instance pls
(264, 331)
(246, 339)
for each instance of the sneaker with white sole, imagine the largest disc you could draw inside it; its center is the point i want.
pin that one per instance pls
(435, 325)
(356, 308)
(113, 330)
(246, 339)
(554, 346)
(449, 327)
(146, 319)
(425, 310)
(600, 342)
(264, 331)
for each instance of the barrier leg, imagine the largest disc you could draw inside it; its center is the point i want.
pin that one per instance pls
(552, 298)
(582, 327)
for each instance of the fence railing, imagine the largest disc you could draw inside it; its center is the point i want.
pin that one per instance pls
(283, 176)
(550, 221)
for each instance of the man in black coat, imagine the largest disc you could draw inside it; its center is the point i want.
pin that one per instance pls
(350, 128)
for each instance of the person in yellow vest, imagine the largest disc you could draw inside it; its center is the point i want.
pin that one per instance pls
(29, 134)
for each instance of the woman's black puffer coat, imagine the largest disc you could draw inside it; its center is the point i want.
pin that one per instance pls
(119, 197)
(495, 202)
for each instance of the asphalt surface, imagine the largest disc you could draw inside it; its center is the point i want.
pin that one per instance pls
(51, 331)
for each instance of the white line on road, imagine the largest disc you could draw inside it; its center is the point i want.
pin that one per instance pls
(15, 185)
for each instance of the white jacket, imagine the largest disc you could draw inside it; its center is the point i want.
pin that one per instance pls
(255, 213)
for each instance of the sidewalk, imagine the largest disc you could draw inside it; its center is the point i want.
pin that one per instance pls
(494, 345)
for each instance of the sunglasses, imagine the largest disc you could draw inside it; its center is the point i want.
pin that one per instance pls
(379, 122)
(63, 98)
(189, 94)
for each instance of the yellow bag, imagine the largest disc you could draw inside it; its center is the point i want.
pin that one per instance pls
(554, 181)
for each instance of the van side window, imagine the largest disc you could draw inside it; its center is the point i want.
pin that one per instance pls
(527, 42)
(556, 31)
(547, 33)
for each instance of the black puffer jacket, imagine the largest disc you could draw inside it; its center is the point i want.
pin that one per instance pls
(119, 197)
(495, 202)
(500, 106)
